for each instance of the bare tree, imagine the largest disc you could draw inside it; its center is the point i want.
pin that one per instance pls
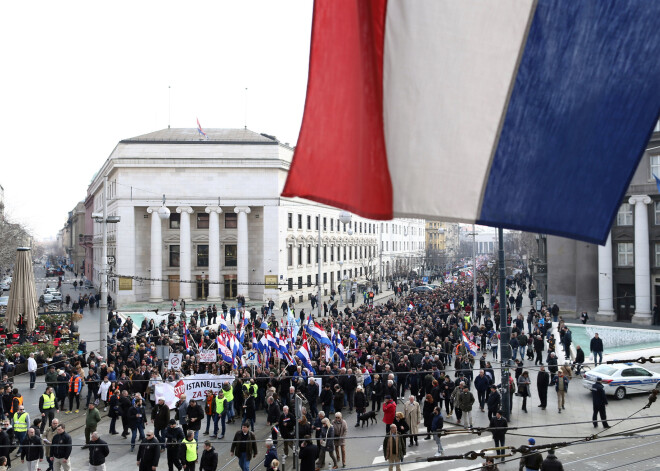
(12, 236)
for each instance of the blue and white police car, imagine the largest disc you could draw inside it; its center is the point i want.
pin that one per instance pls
(622, 379)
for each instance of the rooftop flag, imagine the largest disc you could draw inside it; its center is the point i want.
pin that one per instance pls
(200, 130)
(398, 89)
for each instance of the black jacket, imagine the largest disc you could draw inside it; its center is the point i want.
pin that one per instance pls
(209, 460)
(596, 344)
(148, 453)
(494, 401)
(35, 450)
(197, 413)
(274, 413)
(501, 425)
(551, 463)
(542, 381)
(173, 436)
(308, 455)
(98, 451)
(598, 395)
(61, 447)
(5, 442)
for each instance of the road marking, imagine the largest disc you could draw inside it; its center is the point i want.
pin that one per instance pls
(380, 459)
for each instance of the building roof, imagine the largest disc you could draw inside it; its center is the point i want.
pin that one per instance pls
(192, 136)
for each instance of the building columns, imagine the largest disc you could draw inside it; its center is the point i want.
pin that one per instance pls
(242, 251)
(185, 255)
(642, 261)
(156, 287)
(605, 289)
(214, 253)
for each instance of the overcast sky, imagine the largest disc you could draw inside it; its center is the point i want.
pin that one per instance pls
(78, 76)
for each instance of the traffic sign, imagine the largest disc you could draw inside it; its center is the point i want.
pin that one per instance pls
(251, 358)
(175, 360)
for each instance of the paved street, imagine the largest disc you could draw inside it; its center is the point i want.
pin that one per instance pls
(364, 447)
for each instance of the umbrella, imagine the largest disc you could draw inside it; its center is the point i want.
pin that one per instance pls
(23, 293)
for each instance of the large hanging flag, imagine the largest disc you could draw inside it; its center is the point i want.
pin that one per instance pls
(469, 345)
(399, 89)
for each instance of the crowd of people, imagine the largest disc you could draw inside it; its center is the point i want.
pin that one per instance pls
(403, 362)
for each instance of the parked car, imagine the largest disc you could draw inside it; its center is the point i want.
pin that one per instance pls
(421, 289)
(57, 296)
(622, 379)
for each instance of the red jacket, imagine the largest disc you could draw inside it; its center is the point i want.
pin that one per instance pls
(389, 411)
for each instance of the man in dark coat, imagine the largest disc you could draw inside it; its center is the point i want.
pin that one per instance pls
(542, 383)
(148, 452)
(538, 348)
(209, 461)
(160, 415)
(599, 403)
(98, 450)
(308, 454)
(499, 426)
(173, 438)
(32, 449)
(494, 402)
(551, 463)
(195, 417)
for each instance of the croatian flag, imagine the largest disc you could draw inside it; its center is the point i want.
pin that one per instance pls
(318, 333)
(263, 344)
(469, 345)
(353, 335)
(185, 336)
(414, 92)
(410, 307)
(264, 326)
(223, 324)
(224, 351)
(200, 130)
(305, 354)
(284, 352)
(271, 340)
(366, 377)
(255, 344)
(341, 352)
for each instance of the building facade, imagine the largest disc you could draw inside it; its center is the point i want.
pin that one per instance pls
(622, 278)
(203, 219)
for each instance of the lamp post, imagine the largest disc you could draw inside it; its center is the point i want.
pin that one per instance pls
(203, 281)
(341, 278)
(490, 292)
(320, 281)
(345, 218)
(104, 219)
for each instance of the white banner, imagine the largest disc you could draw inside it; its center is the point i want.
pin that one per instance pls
(208, 356)
(194, 387)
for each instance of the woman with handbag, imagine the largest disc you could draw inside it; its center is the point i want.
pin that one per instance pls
(327, 442)
(524, 389)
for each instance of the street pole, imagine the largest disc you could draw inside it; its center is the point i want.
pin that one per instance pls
(380, 269)
(318, 298)
(505, 330)
(103, 304)
(474, 274)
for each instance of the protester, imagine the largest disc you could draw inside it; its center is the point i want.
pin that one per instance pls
(98, 452)
(244, 446)
(394, 448)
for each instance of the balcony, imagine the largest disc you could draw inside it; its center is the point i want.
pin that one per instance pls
(86, 240)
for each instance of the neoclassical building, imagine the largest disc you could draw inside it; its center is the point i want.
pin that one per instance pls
(202, 218)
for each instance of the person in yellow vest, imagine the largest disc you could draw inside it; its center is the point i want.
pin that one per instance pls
(228, 391)
(47, 407)
(21, 422)
(188, 451)
(220, 410)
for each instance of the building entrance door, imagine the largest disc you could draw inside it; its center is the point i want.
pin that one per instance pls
(625, 302)
(173, 286)
(202, 288)
(230, 287)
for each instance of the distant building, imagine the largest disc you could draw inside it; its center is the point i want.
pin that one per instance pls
(228, 232)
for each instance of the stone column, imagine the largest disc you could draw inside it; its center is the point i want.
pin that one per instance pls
(242, 251)
(605, 289)
(642, 261)
(185, 256)
(214, 253)
(156, 291)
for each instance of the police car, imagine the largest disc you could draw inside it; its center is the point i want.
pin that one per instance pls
(622, 378)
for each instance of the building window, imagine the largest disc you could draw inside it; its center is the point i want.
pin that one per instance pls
(231, 220)
(300, 256)
(230, 255)
(289, 255)
(317, 222)
(290, 284)
(202, 221)
(325, 224)
(655, 166)
(309, 223)
(625, 254)
(344, 253)
(625, 215)
(175, 221)
(332, 225)
(325, 253)
(325, 278)
(174, 255)
(203, 255)
(332, 254)
(309, 255)
(300, 282)
(309, 280)
(656, 209)
(300, 221)
(318, 254)
(290, 221)
(657, 254)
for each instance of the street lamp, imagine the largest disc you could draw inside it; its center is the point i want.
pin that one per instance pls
(490, 292)
(341, 277)
(104, 219)
(345, 218)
